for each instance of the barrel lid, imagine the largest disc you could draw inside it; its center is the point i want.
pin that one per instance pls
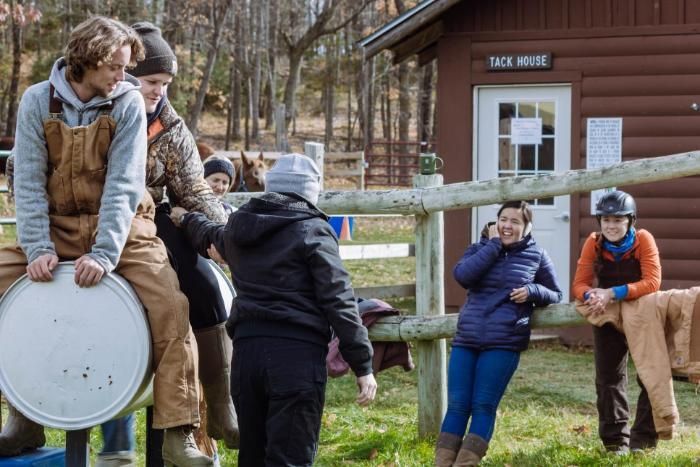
(71, 357)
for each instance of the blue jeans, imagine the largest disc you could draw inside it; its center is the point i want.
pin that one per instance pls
(118, 435)
(476, 381)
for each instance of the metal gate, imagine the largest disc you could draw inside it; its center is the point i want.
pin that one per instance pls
(393, 163)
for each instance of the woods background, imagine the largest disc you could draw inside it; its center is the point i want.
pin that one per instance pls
(249, 63)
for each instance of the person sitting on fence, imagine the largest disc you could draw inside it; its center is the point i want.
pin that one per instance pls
(80, 166)
(292, 290)
(506, 274)
(219, 173)
(617, 263)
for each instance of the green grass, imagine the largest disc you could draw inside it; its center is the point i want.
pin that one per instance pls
(547, 418)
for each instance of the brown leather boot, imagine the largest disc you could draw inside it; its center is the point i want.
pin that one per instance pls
(215, 349)
(180, 449)
(20, 434)
(446, 449)
(473, 450)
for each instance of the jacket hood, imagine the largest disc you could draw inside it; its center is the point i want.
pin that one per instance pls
(267, 215)
(65, 92)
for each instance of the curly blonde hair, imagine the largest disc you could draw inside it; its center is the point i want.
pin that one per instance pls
(93, 42)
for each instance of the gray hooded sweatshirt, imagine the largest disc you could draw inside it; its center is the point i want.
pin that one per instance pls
(126, 168)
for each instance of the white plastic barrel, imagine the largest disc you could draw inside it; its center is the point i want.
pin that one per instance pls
(72, 358)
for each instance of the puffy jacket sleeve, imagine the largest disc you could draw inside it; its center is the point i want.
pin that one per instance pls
(336, 299)
(545, 289)
(476, 262)
(650, 263)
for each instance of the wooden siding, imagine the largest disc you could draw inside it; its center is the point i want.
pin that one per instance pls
(635, 59)
(543, 15)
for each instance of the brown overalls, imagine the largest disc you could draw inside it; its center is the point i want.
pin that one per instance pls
(77, 168)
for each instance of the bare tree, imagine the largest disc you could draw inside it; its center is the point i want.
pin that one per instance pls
(304, 32)
(425, 99)
(219, 11)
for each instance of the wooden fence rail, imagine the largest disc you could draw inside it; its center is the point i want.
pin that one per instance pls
(422, 328)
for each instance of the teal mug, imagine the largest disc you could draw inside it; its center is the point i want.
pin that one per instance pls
(429, 163)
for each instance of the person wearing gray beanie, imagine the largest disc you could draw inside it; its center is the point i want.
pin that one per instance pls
(295, 173)
(292, 293)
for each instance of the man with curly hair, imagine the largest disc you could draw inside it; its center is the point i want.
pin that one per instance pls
(79, 171)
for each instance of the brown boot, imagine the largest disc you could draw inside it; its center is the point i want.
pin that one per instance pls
(215, 349)
(20, 434)
(180, 449)
(446, 449)
(473, 449)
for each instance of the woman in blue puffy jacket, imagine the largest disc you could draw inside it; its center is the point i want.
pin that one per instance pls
(506, 275)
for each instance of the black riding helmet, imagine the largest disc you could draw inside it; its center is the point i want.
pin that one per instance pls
(616, 203)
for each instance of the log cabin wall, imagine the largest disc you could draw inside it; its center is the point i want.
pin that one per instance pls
(635, 59)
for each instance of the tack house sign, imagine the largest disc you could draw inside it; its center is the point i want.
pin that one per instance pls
(511, 62)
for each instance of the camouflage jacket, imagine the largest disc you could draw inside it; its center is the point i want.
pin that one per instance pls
(174, 165)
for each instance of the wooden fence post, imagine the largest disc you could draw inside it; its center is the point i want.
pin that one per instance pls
(430, 301)
(315, 151)
(361, 167)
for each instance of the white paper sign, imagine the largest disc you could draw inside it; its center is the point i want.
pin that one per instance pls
(526, 131)
(603, 148)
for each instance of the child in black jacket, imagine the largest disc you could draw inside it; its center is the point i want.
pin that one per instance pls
(292, 289)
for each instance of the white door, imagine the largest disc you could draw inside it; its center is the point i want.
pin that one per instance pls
(497, 156)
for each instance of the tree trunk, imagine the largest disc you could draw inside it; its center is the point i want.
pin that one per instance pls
(236, 83)
(425, 100)
(14, 79)
(290, 88)
(219, 18)
(273, 14)
(329, 91)
(256, 29)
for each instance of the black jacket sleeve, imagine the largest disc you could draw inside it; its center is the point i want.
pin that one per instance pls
(335, 298)
(202, 232)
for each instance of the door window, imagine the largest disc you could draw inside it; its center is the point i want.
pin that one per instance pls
(526, 159)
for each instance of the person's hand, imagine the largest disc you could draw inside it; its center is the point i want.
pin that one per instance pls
(519, 295)
(493, 231)
(598, 299)
(176, 215)
(367, 389)
(215, 255)
(88, 272)
(40, 269)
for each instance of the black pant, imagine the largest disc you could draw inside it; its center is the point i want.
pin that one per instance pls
(197, 280)
(278, 387)
(611, 388)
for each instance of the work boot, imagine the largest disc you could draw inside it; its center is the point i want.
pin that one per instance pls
(473, 450)
(20, 434)
(126, 459)
(446, 449)
(215, 349)
(180, 449)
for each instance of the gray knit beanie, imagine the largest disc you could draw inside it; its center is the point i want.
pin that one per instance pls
(295, 173)
(159, 56)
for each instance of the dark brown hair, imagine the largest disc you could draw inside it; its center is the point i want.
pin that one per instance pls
(93, 42)
(521, 206)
